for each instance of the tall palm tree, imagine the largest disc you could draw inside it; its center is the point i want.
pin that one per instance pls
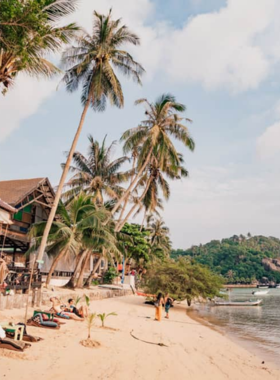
(78, 225)
(91, 64)
(29, 32)
(153, 179)
(97, 174)
(155, 134)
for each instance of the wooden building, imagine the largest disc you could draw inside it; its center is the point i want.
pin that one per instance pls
(29, 201)
(24, 202)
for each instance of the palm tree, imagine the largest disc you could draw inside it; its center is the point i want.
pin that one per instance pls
(154, 135)
(153, 179)
(159, 235)
(29, 31)
(77, 225)
(97, 174)
(91, 64)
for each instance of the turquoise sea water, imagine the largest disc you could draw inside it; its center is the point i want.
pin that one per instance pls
(257, 327)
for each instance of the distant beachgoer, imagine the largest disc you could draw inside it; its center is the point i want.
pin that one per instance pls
(158, 305)
(81, 312)
(168, 301)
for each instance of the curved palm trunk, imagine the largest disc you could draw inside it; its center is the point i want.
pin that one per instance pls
(127, 197)
(80, 282)
(91, 276)
(131, 186)
(61, 183)
(71, 283)
(143, 221)
(54, 265)
(122, 223)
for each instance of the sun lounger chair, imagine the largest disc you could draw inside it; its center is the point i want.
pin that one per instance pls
(38, 321)
(11, 344)
(48, 316)
(26, 337)
(17, 330)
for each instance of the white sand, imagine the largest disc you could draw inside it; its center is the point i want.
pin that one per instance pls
(194, 351)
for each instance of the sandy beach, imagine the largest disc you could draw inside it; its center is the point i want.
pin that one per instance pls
(191, 350)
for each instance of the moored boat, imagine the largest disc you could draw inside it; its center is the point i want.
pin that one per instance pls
(238, 303)
(260, 292)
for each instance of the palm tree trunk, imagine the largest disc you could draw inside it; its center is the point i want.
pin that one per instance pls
(143, 221)
(54, 265)
(71, 283)
(127, 197)
(91, 276)
(122, 223)
(80, 281)
(61, 183)
(137, 176)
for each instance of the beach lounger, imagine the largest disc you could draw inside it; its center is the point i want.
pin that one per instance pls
(38, 321)
(48, 316)
(26, 337)
(17, 330)
(11, 344)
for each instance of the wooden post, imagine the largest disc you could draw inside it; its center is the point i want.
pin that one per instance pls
(29, 288)
(33, 297)
(39, 296)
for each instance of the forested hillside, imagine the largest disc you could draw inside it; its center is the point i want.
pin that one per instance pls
(239, 258)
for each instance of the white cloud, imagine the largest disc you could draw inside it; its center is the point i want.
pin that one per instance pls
(268, 144)
(221, 49)
(22, 101)
(217, 202)
(234, 48)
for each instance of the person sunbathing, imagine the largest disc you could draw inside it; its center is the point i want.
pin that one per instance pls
(61, 310)
(80, 312)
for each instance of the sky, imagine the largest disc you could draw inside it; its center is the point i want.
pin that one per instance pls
(219, 57)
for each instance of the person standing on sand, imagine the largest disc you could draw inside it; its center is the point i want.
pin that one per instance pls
(158, 305)
(168, 301)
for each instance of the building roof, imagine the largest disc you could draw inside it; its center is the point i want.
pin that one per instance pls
(14, 191)
(7, 207)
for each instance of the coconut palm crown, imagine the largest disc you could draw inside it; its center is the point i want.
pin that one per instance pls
(97, 174)
(92, 61)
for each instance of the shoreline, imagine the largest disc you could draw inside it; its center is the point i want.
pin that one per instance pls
(249, 345)
(190, 348)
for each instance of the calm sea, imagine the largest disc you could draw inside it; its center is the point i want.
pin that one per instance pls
(257, 327)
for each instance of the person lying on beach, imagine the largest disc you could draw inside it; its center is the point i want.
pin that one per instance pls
(60, 310)
(168, 301)
(81, 312)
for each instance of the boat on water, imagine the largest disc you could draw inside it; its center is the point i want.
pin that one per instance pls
(237, 303)
(263, 286)
(260, 292)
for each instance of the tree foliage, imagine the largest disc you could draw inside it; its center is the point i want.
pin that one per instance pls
(29, 31)
(238, 259)
(183, 279)
(135, 243)
(97, 174)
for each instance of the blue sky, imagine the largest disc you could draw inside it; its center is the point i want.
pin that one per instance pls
(220, 58)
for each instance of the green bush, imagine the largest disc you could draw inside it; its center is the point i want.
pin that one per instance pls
(110, 275)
